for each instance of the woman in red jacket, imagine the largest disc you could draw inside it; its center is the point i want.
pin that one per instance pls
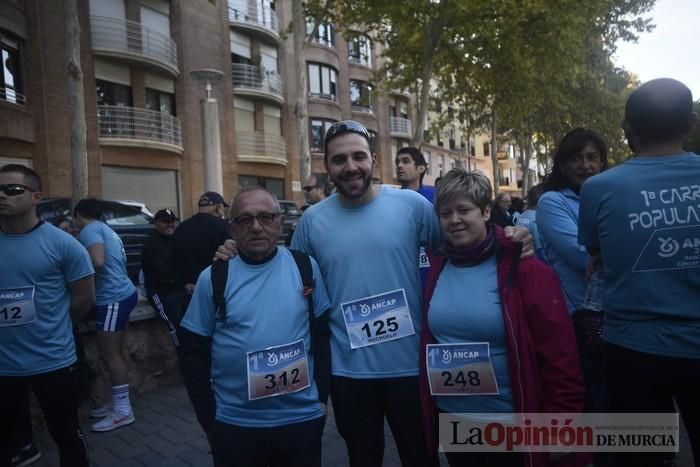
(496, 336)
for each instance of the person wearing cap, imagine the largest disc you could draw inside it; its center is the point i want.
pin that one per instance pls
(195, 241)
(159, 270)
(410, 170)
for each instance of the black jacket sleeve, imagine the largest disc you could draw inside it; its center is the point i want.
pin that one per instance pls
(195, 363)
(321, 348)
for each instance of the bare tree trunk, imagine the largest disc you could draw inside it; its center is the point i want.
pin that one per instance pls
(526, 165)
(494, 149)
(76, 96)
(423, 97)
(301, 110)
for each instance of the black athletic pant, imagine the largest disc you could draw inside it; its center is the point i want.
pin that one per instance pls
(22, 434)
(642, 382)
(295, 445)
(360, 406)
(57, 393)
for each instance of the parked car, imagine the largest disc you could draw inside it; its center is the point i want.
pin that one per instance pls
(292, 214)
(131, 224)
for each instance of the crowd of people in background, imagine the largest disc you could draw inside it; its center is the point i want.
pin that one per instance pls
(580, 298)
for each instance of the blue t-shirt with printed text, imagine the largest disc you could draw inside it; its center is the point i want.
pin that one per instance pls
(42, 262)
(363, 252)
(112, 284)
(466, 308)
(265, 308)
(644, 216)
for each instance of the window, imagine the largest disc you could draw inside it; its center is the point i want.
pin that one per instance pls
(109, 93)
(322, 81)
(426, 155)
(244, 114)
(160, 101)
(325, 33)
(275, 185)
(240, 48)
(361, 96)
(272, 120)
(360, 50)
(451, 139)
(487, 150)
(11, 88)
(318, 127)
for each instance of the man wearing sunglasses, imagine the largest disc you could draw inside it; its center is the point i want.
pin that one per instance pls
(317, 189)
(45, 286)
(269, 408)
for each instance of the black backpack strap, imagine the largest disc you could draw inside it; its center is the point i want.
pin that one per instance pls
(307, 277)
(219, 277)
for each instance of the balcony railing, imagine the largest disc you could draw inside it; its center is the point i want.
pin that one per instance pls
(12, 96)
(401, 127)
(258, 15)
(119, 36)
(368, 109)
(138, 124)
(257, 146)
(256, 78)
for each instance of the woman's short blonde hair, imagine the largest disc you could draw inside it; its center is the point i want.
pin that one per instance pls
(458, 183)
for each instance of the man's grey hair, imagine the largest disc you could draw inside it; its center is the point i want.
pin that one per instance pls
(459, 184)
(234, 203)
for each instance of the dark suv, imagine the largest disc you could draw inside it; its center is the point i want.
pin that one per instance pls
(291, 219)
(132, 226)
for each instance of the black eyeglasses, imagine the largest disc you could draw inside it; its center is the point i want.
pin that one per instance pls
(308, 188)
(264, 218)
(346, 126)
(15, 189)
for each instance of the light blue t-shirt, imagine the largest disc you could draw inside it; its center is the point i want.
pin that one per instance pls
(644, 215)
(557, 222)
(465, 308)
(112, 283)
(364, 252)
(265, 308)
(42, 262)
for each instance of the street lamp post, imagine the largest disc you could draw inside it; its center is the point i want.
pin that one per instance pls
(211, 138)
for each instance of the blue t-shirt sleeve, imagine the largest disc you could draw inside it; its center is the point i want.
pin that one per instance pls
(430, 232)
(91, 235)
(200, 315)
(588, 232)
(556, 224)
(321, 300)
(76, 262)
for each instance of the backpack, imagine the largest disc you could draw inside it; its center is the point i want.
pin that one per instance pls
(219, 277)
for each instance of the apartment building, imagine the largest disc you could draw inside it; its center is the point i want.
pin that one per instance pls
(143, 120)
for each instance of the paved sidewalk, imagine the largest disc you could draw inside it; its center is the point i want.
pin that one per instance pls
(166, 434)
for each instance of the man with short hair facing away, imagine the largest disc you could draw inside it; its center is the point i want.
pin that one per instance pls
(115, 299)
(158, 267)
(46, 285)
(263, 405)
(317, 189)
(643, 218)
(410, 170)
(196, 239)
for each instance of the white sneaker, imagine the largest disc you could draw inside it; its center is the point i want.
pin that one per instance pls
(101, 412)
(114, 421)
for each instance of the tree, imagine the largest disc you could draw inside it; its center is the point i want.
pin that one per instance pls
(76, 96)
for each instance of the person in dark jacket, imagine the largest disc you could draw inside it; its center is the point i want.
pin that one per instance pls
(483, 298)
(499, 211)
(195, 241)
(159, 271)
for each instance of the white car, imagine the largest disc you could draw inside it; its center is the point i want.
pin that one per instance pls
(137, 204)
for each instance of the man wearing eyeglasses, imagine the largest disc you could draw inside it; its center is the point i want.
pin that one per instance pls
(46, 284)
(264, 407)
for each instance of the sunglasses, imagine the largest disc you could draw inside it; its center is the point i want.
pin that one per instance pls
(15, 189)
(346, 126)
(264, 218)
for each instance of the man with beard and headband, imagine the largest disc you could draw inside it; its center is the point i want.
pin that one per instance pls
(366, 239)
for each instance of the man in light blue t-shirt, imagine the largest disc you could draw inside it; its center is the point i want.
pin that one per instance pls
(643, 219)
(266, 353)
(46, 284)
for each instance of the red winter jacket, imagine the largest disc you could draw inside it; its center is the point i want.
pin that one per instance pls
(543, 363)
